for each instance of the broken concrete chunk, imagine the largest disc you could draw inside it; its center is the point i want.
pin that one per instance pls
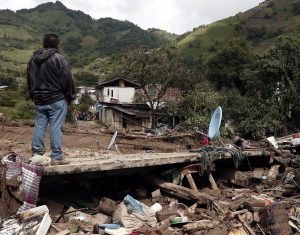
(107, 206)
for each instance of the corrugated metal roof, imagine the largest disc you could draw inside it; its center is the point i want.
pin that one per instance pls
(133, 112)
(115, 82)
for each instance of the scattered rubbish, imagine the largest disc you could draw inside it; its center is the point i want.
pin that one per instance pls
(155, 131)
(40, 160)
(110, 226)
(118, 231)
(133, 214)
(244, 187)
(272, 141)
(179, 220)
(22, 181)
(165, 214)
(73, 214)
(33, 221)
(156, 207)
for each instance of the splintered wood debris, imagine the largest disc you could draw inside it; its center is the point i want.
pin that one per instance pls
(245, 188)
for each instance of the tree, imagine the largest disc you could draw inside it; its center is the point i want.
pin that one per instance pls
(84, 78)
(251, 116)
(296, 8)
(225, 68)
(277, 77)
(197, 105)
(155, 71)
(85, 102)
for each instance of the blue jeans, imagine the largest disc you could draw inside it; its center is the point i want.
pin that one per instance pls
(53, 114)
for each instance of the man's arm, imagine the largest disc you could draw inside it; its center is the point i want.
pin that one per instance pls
(66, 78)
(67, 83)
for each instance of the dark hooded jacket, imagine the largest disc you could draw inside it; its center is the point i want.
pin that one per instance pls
(49, 77)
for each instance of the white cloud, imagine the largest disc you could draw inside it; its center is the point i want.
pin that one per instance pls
(177, 16)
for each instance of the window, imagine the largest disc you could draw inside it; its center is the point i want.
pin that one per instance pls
(107, 92)
(112, 93)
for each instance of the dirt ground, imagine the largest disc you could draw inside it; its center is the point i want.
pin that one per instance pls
(90, 136)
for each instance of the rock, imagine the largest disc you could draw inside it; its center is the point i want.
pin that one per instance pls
(107, 206)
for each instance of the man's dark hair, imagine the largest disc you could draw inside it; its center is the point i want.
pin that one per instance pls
(51, 40)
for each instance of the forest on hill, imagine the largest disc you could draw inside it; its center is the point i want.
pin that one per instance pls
(248, 63)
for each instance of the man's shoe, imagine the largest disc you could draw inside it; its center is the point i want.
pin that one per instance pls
(61, 161)
(40, 160)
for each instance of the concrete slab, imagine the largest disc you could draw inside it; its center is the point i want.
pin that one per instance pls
(84, 164)
(109, 162)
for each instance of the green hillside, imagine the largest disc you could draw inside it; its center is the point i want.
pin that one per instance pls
(162, 36)
(260, 26)
(90, 43)
(83, 39)
(18, 38)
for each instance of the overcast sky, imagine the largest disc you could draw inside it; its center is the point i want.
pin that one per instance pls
(176, 16)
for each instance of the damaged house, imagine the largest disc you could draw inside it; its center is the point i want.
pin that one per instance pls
(117, 107)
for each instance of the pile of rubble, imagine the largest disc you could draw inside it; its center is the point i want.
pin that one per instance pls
(246, 194)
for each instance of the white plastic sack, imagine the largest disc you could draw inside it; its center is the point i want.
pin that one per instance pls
(134, 220)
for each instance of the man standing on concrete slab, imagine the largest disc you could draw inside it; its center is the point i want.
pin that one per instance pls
(51, 87)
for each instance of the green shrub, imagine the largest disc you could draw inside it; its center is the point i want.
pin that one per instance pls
(7, 103)
(24, 110)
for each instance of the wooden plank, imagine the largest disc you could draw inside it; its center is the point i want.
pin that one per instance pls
(45, 225)
(213, 182)
(180, 191)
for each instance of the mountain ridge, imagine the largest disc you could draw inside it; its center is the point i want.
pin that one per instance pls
(260, 26)
(83, 39)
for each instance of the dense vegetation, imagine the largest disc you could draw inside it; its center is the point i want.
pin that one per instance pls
(260, 26)
(248, 64)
